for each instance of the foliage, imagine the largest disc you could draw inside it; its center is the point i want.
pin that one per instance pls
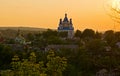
(78, 33)
(5, 56)
(56, 65)
(29, 67)
(96, 51)
(88, 34)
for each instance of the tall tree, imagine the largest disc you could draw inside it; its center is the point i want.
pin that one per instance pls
(88, 34)
(78, 33)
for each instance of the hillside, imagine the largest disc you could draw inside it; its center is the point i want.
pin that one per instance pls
(11, 32)
(22, 28)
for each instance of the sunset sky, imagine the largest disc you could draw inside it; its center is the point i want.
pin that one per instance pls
(46, 14)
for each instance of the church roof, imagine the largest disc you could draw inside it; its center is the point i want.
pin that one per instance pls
(65, 28)
(65, 19)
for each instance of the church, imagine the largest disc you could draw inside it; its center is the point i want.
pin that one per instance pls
(66, 25)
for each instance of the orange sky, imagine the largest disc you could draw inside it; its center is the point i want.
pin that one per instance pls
(46, 14)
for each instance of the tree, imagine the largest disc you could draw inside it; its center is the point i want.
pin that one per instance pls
(63, 34)
(109, 36)
(54, 66)
(26, 66)
(88, 34)
(54, 40)
(30, 37)
(98, 35)
(49, 32)
(117, 36)
(96, 46)
(5, 56)
(78, 33)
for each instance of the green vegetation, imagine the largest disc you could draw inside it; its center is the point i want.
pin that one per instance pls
(29, 67)
(96, 51)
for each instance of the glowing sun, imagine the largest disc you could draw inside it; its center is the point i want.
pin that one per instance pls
(112, 8)
(115, 4)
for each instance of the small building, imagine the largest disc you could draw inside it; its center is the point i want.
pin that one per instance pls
(66, 26)
(19, 38)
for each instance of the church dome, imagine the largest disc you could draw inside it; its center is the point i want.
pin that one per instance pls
(65, 19)
(66, 26)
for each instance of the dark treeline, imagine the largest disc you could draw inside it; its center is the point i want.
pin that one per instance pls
(96, 51)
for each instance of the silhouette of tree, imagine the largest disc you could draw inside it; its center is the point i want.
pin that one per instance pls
(78, 33)
(88, 34)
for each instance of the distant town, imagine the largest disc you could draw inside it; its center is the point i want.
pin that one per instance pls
(61, 52)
